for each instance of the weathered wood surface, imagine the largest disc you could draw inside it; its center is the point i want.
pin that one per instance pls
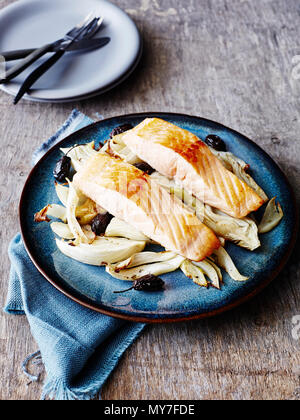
(231, 61)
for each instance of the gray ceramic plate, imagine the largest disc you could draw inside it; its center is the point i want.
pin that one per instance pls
(182, 299)
(29, 23)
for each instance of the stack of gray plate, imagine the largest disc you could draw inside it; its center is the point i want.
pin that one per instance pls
(78, 75)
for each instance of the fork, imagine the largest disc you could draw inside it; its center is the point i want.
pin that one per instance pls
(39, 52)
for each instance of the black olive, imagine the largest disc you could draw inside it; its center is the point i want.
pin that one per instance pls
(100, 223)
(62, 169)
(143, 166)
(120, 129)
(147, 283)
(215, 142)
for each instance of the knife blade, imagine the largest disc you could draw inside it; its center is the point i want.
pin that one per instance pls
(85, 44)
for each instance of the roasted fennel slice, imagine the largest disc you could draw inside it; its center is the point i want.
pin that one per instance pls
(239, 168)
(155, 268)
(122, 151)
(80, 153)
(223, 259)
(74, 198)
(117, 147)
(119, 228)
(142, 258)
(272, 216)
(195, 273)
(102, 251)
(51, 210)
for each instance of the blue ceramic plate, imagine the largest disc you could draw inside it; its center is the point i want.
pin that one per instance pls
(181, 299)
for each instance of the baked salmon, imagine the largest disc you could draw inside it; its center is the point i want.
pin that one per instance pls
(133, 196)
(181, 155)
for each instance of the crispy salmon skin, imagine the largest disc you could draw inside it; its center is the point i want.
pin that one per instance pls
(129, 194)
(179, 154)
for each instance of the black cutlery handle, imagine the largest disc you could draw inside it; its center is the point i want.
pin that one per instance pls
(31, 58)
(16, 54)
(37, 73)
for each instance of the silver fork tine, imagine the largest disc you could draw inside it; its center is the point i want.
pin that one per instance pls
(96, 28)
(82, 31)
(90, 28)
(80, 25)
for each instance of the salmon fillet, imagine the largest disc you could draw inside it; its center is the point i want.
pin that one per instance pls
(131, 195)
(179, 154)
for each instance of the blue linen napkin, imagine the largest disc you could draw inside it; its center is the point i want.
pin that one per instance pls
(79, 347)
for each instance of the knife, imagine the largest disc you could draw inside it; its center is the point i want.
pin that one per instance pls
(85, 44)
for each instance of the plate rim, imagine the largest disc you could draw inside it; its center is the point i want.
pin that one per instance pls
(91, 93)
(272, 275)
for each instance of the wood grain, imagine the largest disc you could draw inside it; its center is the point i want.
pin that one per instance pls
(230, 61)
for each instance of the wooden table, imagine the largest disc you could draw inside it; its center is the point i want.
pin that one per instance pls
(232, 61)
